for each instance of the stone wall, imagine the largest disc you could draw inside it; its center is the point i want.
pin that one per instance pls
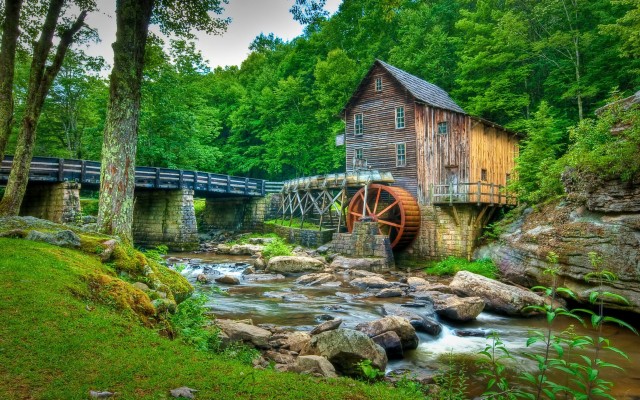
(57, 202)
(304, 237)
(446, 231)
(239, 214)
(364, 242)
(165, 217)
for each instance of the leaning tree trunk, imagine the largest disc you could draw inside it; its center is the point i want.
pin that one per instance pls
(10, 33)
(117, 175)
(40, 81)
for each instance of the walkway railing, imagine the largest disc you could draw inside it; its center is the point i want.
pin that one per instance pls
(45, 169)
(472, 192)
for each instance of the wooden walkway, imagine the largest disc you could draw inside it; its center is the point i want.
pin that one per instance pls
(87, 173)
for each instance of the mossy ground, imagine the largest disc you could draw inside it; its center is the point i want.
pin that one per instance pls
(58, 342)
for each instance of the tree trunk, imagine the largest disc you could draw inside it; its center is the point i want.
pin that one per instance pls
(117, 177)
(10, 33)
(40, 81)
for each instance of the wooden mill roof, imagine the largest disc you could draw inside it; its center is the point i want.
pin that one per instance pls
(422, 90)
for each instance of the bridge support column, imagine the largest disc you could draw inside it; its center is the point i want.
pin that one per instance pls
(165, 217)
(57, 202)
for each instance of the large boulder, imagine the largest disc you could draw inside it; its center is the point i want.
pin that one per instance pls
(245, 249)
(242, 332)
(367, 264)
(326, 326)
(315, 365)
(345, 348)
(228, 280)
(401, 326)
(63, 238)
(593, 222)
(293, 264)
(497, 296)
(391, 343)
(315, 279)
(370, 282)
(459, 308)
(421, 318)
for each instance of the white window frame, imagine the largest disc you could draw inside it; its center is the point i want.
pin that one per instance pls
(401, 156)
(400, 117)
(445, 124)
(378, 84)
(359, 154)
(358, 128)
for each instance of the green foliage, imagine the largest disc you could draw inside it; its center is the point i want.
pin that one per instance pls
(411, 387)
(451, 265)
(493, 368)
(157, 253)
(369, 371)
(294, 223)
(190, 322)
(452, 382)
(278, 247)
(89, 206)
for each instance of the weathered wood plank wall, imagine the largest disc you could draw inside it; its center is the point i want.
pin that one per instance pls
(380, 136)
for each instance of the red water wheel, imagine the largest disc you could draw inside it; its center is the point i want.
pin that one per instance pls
(395, 210)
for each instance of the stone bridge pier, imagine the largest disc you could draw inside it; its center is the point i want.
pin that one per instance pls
(165, 217)
(57, 202)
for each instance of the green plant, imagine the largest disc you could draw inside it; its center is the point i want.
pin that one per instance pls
(451, 265)
(452, 382)
(157, 253)
(411, 387)
(277, 247)
(369, 371)
(191, 324)
(240, 352)
(493, 367)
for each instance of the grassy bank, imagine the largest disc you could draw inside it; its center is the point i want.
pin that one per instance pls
(57, 343)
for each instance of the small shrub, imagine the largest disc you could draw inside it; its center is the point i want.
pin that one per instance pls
(277, 248)
(369, 371)
(452, 382)
(191, 323)
(451, 265)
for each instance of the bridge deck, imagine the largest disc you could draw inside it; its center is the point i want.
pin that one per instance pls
(87, 173)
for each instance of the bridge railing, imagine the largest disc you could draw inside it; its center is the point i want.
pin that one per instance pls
(45, 169)
(472, 192)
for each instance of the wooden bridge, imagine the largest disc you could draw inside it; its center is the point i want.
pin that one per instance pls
(87, 173)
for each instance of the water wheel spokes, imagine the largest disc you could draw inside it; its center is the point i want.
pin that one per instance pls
(395, 210)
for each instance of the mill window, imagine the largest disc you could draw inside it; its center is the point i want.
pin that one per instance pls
(358, 125)
(359, 154)
(401, 155)
(378, 84)
(443, 128)
(399, 117)
(483, 175)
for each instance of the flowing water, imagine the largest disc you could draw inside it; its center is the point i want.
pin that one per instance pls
(285, 304)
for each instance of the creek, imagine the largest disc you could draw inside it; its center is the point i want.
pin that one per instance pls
(286, 304)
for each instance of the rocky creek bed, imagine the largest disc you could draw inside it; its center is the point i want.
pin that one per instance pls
(283, 311)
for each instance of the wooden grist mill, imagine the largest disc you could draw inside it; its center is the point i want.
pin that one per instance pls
(337, 201)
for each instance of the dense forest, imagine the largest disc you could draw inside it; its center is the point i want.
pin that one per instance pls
(535, 66)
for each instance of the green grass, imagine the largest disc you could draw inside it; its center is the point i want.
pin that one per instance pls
(295, 223)
(55, 343)
(451, 265)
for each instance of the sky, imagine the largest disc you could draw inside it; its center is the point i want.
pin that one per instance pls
(249, 18)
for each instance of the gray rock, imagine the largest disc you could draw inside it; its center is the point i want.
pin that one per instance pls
(372, 282)
(326, 326)
(238, 331)
(293, 264)
(261, 240)
(296, 341)
(401, 326)
(345, 348)
(390, 292)
(183, 391)
(315, 279)
(142, 286)
(413, 281)
(368, 264)
(359, 273)
(95, 394)
(497, 296)
(245, 249)
(459, 309)
(315, 365)
(228, 280)
(259, 263)
(202, 278)
(421, 318)
(391, 343)
(263, 277)
(65, 238)
(108, 246)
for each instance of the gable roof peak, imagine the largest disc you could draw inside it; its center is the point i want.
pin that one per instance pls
(422, 90)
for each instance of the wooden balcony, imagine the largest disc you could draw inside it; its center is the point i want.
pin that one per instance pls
(472, 192)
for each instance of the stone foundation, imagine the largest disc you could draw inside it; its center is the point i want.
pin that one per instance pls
(364, 242)
(447, 231)
(57, 202)
(304, 237)
(165, 217)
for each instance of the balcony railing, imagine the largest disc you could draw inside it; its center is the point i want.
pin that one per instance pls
(472, 192)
